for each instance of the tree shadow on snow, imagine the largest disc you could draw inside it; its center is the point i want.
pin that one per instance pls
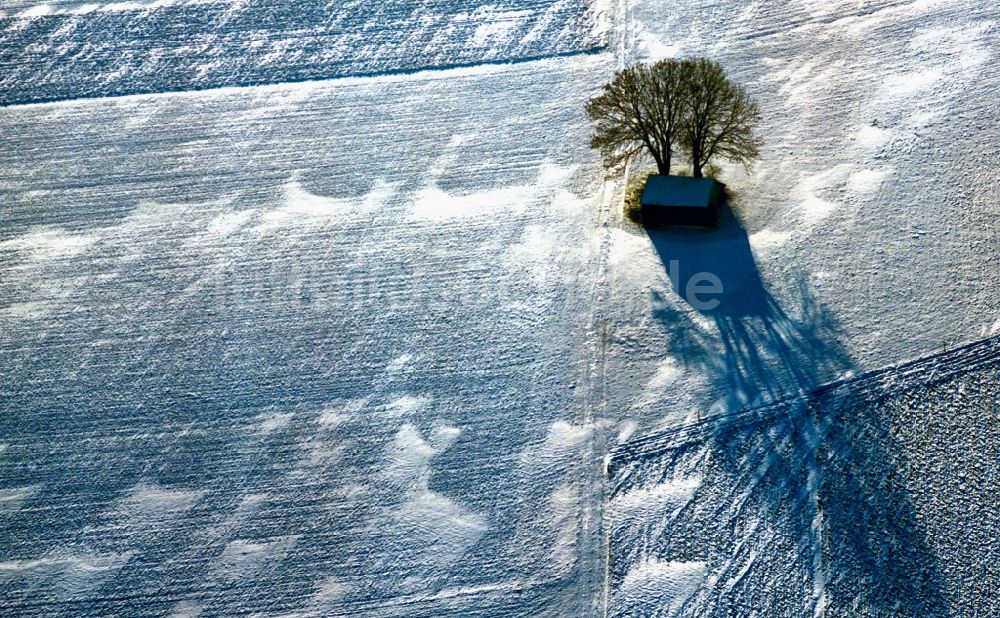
(821, 474)
(765, 354)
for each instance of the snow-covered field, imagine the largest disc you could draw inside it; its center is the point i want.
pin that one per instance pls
(69, 49)
(865, 237)
(870, 497)
(867, 233)
(357, 347)
(317, 348)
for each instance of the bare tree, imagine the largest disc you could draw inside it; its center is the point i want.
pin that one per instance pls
(720, 117)
(671, 105)
(639, 111)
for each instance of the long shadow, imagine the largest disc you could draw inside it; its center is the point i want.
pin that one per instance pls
(820, 470)
(762, 352)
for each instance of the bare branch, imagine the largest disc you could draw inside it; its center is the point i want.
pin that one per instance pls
(670, 105)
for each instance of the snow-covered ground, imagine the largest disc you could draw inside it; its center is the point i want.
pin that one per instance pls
(356, 347)
(865, 237)
(70, 49)
(308, 349)
(870, 497)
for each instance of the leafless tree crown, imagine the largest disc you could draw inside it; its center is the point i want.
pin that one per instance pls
(674, 107)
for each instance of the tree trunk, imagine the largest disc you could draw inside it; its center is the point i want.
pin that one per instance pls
(663, 167)
(696, 159)
(656, 157)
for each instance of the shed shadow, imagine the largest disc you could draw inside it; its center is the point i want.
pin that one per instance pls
(870, 548)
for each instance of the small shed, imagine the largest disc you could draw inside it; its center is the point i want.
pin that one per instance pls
(679, 200)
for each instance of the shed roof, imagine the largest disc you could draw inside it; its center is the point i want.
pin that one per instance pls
(679, 191)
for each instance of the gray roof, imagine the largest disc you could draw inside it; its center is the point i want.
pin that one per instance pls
(679, 191)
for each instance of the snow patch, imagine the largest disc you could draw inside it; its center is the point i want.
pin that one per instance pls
(431, 203)
(272, 422)
(660, 502)
(543, 256)
(872, 136)
(302, 208)
(328, 592)
(42, 10)
(64, 574)
(908, 84)
(660, 588)
(405, 406)
(768, 239)
(244, 558)
(316, 456)
(36, 11)
(409, 452)
(408, 456)
(443, 436)
(397, 364)
(330, 418)
(656, 49)
(12, 499)
(561, 442)
(147, 502)
(627, 430)
(335, 414)
(866, 181)
(228, 222)
(562, 514)
(625, 248)
(186, 609)
(439, 526)
(498, 30)
(968, 47)
(667, 372)
(813, 207)
(49, 243)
